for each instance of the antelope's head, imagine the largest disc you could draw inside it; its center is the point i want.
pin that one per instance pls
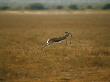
(68, 33)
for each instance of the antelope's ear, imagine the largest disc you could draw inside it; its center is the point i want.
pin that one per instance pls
(66, 32)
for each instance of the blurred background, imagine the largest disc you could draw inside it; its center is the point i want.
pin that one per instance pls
(22, 35)
(54, 4)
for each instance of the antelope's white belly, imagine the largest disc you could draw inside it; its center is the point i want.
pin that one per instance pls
(54, 41)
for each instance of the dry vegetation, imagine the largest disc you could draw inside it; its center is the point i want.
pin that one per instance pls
(87, 59)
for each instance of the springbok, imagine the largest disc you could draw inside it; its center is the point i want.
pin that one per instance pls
(58, 39)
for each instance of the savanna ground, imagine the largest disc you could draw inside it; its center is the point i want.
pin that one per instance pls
(22, 59)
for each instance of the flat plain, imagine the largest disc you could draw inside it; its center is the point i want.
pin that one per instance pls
(86, 59)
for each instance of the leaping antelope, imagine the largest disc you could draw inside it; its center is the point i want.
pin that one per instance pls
(58, 39)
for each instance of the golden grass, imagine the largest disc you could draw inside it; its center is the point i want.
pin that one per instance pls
(87, 59)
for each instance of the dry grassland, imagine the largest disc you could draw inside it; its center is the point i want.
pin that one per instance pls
(87, 59)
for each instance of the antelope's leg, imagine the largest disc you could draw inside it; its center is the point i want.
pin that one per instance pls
(45, 45)
(70, 41)
(66, 42)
